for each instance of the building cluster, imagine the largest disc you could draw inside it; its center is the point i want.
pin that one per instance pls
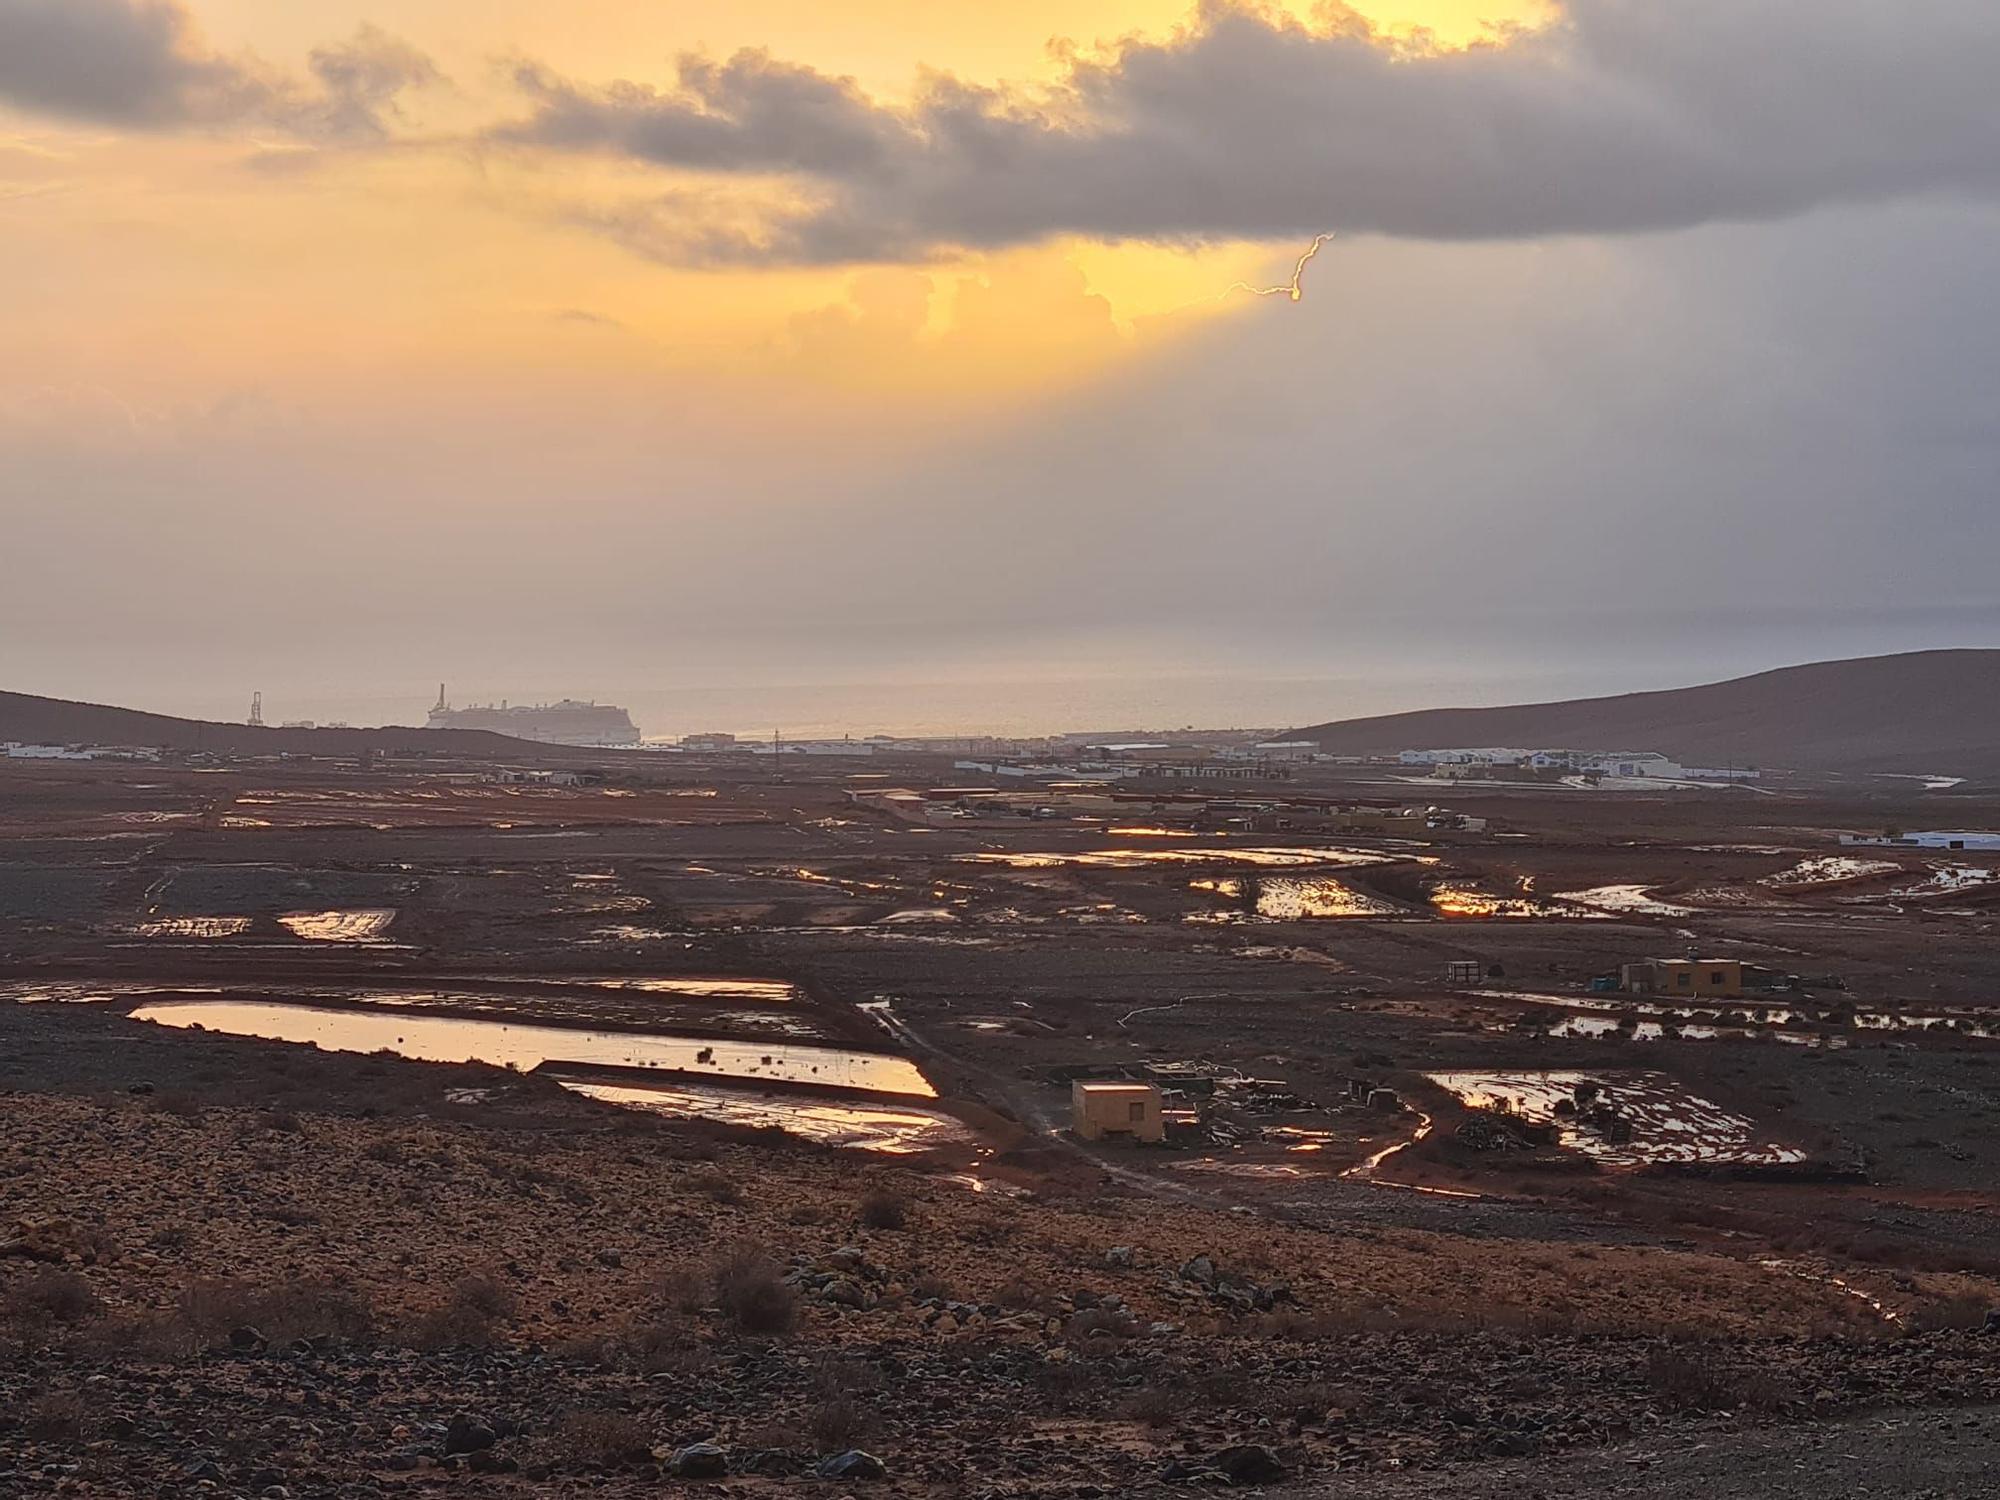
(1473, 763)
(1971, 843)
(1117, 807)
(1219, 756)
(16, 750)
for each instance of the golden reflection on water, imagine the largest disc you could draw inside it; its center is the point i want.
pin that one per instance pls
(868, 1127)
(362, 926)
(503, 1044)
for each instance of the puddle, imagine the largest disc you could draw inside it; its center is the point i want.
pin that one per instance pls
(1290, 898)
(361, 926)
(1152, 833)
(1831, 869)
(1632, 900)
(763, 991)
(192, 927)
(1134, 859)
(1666, 1121)
(504, 1044)
(1470, 901)
(865, 1127)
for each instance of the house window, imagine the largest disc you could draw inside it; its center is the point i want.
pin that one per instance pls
(1716, 977)
(1136, 1112)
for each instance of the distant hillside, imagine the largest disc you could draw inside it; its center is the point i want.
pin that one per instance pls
(1929, 711)
(54, 721)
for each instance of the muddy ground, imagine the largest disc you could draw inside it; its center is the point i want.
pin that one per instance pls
(1397, 1292)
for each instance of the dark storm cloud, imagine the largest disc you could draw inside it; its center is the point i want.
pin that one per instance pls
(141, 64)
(1627, 116)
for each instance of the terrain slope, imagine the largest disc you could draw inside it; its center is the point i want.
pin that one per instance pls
(1925, 712)
(56, 721)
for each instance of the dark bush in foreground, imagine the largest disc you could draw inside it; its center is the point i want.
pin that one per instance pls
(469, 1317)
(752, 1294)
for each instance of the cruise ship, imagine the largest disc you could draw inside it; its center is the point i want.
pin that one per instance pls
(588, 725)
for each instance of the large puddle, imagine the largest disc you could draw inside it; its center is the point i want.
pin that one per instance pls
(192, 927)
(865, 1127)
(1471, 902)
(502, 1044)
(1292, 898)
(362, 926)
(1134, 859)
(1657, 1118)
(1625, 900)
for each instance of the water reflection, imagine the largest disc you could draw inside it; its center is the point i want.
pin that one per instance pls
(1133, 859)
(503, 1044)
(863, 1126)
(363, 926)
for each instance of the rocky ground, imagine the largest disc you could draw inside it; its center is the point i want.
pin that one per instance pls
(395, 1293)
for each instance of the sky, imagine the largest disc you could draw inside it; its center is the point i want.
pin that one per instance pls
(891, 364)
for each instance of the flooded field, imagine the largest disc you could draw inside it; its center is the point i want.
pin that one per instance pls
(1476, 903)
(363, 926)
(1625, 900)
(1621, 1119)
(1291, 898)
(192, 927)
(526, 1047)
(866, 1127)
(1135, 859)
(1832, 869)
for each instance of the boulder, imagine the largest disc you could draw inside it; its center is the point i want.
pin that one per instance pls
(1250, 1463)
(853, 1464)
(700, 1461)
(467, 1434)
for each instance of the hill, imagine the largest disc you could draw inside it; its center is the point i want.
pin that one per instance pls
(56, 721)
(1924, 712)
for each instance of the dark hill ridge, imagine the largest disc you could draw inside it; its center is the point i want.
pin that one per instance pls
(1928, 711)
(55, 721)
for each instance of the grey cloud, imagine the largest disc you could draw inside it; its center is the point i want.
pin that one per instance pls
(363, 80)
(141, 64)
(1627, 116)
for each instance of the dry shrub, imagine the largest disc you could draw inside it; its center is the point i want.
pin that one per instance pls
(1698, 1381)
(1157, 1406)
(666, 1348)
(50, 1298)
(1960, 1311)
(469, 1317)
(684, 1291)
(607, 1438)
(1098, 1325)
(56, 1417)
(751, 1291)
(838, 1423)
(1018, 1295)
(884, 1211)
(717, 1187)
(212, 1309)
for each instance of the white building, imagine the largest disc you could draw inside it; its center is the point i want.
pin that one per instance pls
(1974, 843)
(1632, 763)
(1489, 756)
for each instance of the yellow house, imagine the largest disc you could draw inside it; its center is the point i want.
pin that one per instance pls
(1108, 1110)
(1687, 978)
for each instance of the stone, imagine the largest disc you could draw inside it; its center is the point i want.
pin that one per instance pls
(1250, 1463)
(853, 1464)
(700, 1461)
(467, 1434)
(1121, 1257)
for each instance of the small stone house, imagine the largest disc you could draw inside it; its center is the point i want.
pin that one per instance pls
(1109, 1111)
